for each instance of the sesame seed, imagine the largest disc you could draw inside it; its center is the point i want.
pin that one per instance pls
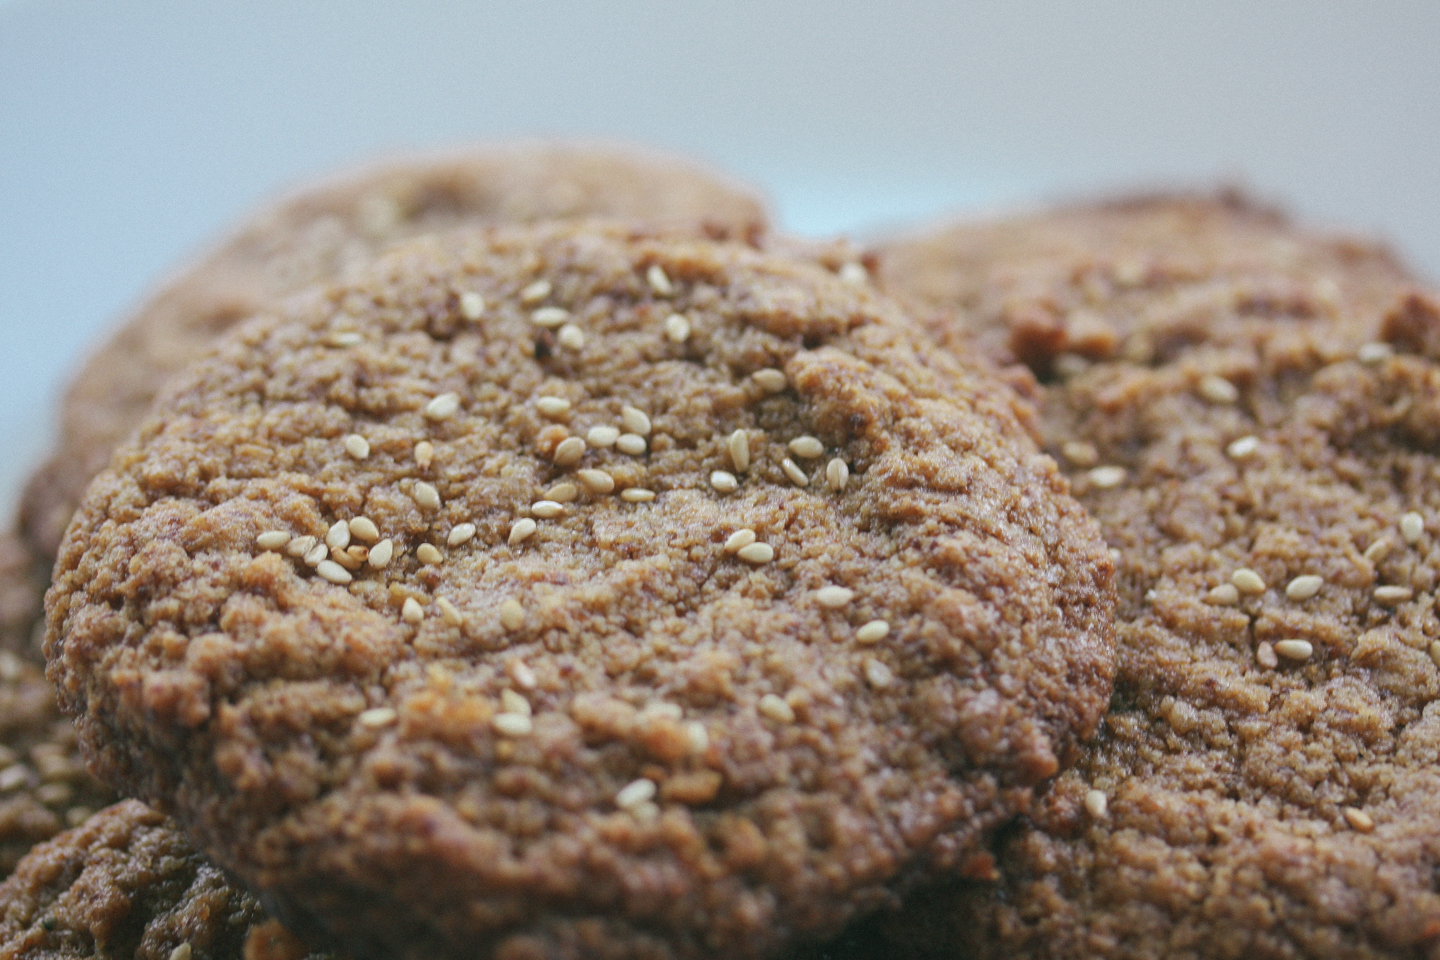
(520, 672)
(459, 534)
(635, 420)
(1390, 596)
(357, 446)
(1070, 365)
(1373, 353)
(596, 481)
(1435, 652)
(300, 546)
(512, 615)
(425, 495)
(877, 674)
(738, 446)
(345, 338)
(1218, 390)
(1244, 447)
(338, 536)
(833, 597)
(569, 451)
(424, 453)
(807, 447)
(677, 327)
(837, 474)
(1304, 587)
(428, 554)
(562, 492)
(1377, 550)
(739, 539)
(363, 528)
(631, 443)
(724, 481)
(411, 611)
(698, 737)
(535, 292)
(1081, 454)
(332, 571)
(1105, 478)
(512, 724)
(512, 702)
(796, 475)
(1265, 656)
(1294, 649)
(1097, 804)
(521, 530)
(316, 554)
(377, 717)
(272, 539)
(571, 337)
(550, 317)
(1412, 525)
(1247, 581)
(872, 632)
(351, 559)
(602, 436)
(658, 281)
(472, 305)
(1358, 819)
(1224, 595)
(443, 406)
(775, 708)
(756, 553)
(552, 406)
(637, 495)
(381, 554)
(771, 380)
(182, 952)
(547, 509)
(635, 793)
(854, 274)
(449, 612)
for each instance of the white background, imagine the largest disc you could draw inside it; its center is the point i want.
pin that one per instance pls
(132, 132)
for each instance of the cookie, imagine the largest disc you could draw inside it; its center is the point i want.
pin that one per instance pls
(1259, 447)
(316, 235)
(582, 589)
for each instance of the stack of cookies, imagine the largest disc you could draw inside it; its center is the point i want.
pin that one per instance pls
(531, 554)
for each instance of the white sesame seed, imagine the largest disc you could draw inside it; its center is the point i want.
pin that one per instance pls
(520, 671)
(723, 481)
(756, 553)
(547, 509)
(346, 338)
(424, 453)
(698, 737)
(381, 554)
(183, 952)
(316, 554)
(1378, 550)
(677, 328)
(775, 708)
(1435, 652)
(562, 492)
(796, 475)
(1265, 656)
(1097, 804)
(512, 702)
(1373, 353)
(411, 611)
(425, 495)
(459, 534)
(569, 451)
(449, 612)
(872, 632)
(550, 317)
(770, 379)
(833, 598)
(357, 446)
(512, 724)
(1244, 447)
(877, 674)
(512, 615)
(338, 536)
(300, 546)
(571, 337)
(637, 495)
(635, 420)
(428, 554)
(596, 481)
(351, 558)
(635, 793)
(552, 406)
(658, 281)
(443, 406)
(1294, 649)
(333, 572)
(363, 528)
(631, 443)
(807, 447)
(1304, 587)
(535, 292)
(738, 446)
(472, 305)
(1218, 390)
(602, 436)
(1247, 581)
(1080, 454)
(521, 530)
(1359, 820)
(272, 539)
(1105, 478)
(1070, 365)
(854, 274)
(1390, 596)
(837, 474)
(739, 540)
(1225, 595)
(377, 717)
(1412, 526)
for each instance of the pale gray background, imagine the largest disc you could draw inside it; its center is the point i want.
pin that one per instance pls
(131, 132)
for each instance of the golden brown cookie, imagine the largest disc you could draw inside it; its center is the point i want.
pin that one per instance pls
(571, 590)
(320, 232)
(1258, 440)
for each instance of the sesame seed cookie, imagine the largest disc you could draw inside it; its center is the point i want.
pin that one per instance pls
(319, 233)
(468, 608)
(1258, 440)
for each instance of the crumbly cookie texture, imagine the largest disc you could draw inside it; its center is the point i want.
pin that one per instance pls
(1252, 416)
(583, 590)
(321, 232)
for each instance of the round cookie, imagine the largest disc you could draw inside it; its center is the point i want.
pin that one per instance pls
(316, 235)
(674, 604)
(1264, 462)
